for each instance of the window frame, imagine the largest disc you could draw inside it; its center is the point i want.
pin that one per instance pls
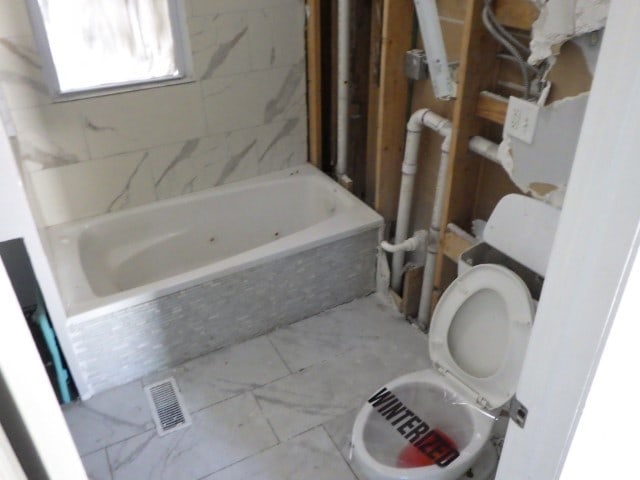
(183, 54)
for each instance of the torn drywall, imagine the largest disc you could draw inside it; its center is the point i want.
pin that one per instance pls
(543, 167)
(589, 45)
(561, 20)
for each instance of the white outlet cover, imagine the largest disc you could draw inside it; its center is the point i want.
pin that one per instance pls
(521, 121)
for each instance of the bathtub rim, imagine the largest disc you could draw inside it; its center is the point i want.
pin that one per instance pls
(358, 218)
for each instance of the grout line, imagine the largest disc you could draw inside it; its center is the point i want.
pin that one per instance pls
(171, 372)
(232, 397)
(203, 107)
(273, 430)
(109, 445)
(142, 429)
(278, 441)
(282, 5)
(346, 460)
(206, 136)
(275, 446)
(109, 463)
(266, 449)
(268, 335)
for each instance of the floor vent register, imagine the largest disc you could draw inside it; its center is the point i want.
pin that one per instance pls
(167, 406)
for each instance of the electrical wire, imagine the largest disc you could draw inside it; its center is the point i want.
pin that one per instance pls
(505, 56)
(517, 51)
(503, 31)
(486, 19)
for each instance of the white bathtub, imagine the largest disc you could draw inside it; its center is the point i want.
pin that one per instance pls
(154, 286)
(110, 262)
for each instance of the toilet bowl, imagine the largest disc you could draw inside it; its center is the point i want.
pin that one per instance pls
(433, 424)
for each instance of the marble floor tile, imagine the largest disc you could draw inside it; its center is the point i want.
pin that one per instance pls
(244, 400)
(364, 324)
(313, 396)
(309, 456)
(226, 373)
(97, 465)
(109, 417)
(219, 436)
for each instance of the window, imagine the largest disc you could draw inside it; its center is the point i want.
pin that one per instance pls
(101, 45)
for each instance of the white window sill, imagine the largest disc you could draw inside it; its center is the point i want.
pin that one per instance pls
(117, 89)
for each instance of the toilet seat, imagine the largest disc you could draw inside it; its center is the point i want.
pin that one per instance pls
(479, 333)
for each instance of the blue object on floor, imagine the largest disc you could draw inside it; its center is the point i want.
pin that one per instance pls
(62, 375)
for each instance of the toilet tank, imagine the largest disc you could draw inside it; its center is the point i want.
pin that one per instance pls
(524, 229)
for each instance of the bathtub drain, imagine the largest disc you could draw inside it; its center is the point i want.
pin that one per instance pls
(167, 407)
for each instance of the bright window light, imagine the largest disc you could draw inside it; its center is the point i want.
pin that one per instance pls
(101, 44)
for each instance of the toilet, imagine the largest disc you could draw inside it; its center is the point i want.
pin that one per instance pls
(436, 424)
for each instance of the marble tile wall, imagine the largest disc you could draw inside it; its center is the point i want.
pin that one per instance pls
(243, 115)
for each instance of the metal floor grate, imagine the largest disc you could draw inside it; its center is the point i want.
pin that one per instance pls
(167, 407)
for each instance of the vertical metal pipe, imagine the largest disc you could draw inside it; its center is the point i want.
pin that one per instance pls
(344, 51)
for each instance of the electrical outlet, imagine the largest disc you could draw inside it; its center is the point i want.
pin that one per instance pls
(522, 118)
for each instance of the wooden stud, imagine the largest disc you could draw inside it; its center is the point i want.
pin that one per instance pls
(411, 288)
(453, 246)
(314, 82)
(492, 107)
(392, 99)
(478, 69)
(359, 101)
(346, 183)
(374, 95)
(516, 13)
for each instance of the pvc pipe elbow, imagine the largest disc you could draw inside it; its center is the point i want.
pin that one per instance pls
(426, 118)
(436, 123)
(415, 123)
(409, 245)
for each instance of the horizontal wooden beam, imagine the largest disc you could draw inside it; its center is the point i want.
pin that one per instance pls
(516, 13)
(492, 107)
(453, 245)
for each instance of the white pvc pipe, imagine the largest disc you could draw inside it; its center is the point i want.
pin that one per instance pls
(459, 232)
(420, 119)
(443, 84)
(434, 237)
(488, 150)
(344, 48)
(409, 245)
(485, 148)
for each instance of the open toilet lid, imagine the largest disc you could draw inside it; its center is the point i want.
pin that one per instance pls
(480, 330)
